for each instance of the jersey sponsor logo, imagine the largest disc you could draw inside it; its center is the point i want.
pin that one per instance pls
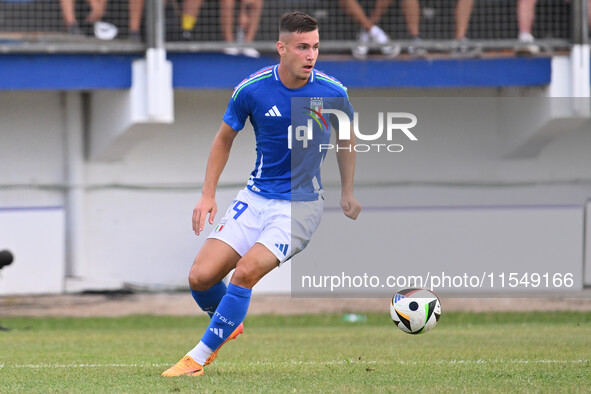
(282, 248)
(274, 111)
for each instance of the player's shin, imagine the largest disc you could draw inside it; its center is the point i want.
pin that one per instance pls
(209, 300)
(227, 317)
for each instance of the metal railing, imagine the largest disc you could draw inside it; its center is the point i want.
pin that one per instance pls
(433, 26)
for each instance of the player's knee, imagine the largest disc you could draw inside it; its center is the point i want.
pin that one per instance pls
(245, 275)
(200, 281)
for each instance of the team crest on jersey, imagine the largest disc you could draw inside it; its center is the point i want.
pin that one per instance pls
(315, 109)
(316, 104)
(220, 226)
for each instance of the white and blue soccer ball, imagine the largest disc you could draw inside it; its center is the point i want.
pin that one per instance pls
(415, 311)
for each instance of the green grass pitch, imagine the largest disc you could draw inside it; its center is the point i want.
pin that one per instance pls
(496, 352)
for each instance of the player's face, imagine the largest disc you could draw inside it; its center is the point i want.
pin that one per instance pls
(299, 53)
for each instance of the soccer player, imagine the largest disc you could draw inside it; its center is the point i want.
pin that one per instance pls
(259, 231)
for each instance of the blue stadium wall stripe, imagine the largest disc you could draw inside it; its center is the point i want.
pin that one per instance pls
(194, 70)
(218, 71)
(65, 71)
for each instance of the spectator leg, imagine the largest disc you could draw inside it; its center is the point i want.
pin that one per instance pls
(412, 15)
(250, 16)
(379, 10)
(463, 12)
(227, 19)
(525, 15)
(355, 11)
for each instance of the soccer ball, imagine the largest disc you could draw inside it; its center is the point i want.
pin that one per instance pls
(415, 311)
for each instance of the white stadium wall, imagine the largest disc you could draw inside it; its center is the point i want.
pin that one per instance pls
(133, 216)
(36, 239)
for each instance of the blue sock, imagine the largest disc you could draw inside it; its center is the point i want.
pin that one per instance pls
(209, 300)
(230, 313)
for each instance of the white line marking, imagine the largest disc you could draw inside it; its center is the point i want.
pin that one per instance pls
(299, 362)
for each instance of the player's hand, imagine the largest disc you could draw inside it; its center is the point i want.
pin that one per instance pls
(206, 205)
(350, 205)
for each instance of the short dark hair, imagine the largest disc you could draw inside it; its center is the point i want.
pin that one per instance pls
(297, 22)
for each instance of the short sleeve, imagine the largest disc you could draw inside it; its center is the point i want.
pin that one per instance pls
(237, 112)
(347, 107)
(342, 104)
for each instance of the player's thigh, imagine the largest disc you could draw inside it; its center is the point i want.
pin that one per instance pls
(290, 226)
(213, 262)
(305, 219)
(255, 264)
(240, 226)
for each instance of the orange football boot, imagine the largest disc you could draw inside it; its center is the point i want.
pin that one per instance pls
(213, 355)
(185, 367)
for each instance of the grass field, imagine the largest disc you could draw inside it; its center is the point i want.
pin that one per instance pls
(497, 352)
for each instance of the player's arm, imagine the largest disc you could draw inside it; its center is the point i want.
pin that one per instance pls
(218, 157)
(346, 157)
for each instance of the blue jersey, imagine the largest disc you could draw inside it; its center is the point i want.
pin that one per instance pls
(279, 144)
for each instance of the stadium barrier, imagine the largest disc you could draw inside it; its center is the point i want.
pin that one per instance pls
(126, 25)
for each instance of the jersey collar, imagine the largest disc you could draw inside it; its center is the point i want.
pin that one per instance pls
(276, 74)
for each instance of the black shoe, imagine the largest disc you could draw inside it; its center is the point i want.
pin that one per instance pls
(74, 29)
(464, 48)
(187, 35)
(416, 49)
(134, 36)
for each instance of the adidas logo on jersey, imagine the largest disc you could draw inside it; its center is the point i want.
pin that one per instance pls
(273, 112)
(282, 248)
(217, 331)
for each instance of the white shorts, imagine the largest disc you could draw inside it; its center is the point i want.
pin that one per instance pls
(284, 227)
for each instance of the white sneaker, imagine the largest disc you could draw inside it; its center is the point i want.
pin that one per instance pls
(247, 51)
(526, 44)
(391, 50)
(380, 37)
(361, 50)
(105, 30)
(250, 52)
(232, 51)
(525, 37)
